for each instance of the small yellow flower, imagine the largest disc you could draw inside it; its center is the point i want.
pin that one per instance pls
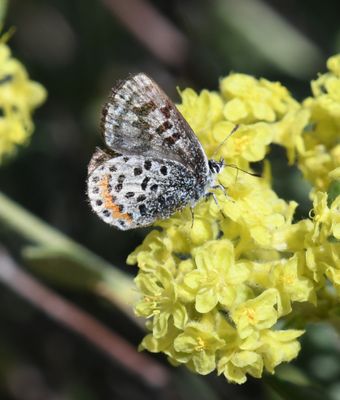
(249, 141)
(198, 345)
(160, 301)
(217, 278)
(202, 111)
(288, 132)
(256, 314)
(326, 219)
(236, 363)
(156, 251)
(333, 64)
(279, 346)
(292, 286)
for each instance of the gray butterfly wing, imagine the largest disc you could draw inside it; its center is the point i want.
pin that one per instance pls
(134, 191)
(139, 118)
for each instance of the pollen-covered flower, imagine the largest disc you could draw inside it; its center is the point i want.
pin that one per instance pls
(19, 96)
(197, 346)
(217, 285)
(160, 301)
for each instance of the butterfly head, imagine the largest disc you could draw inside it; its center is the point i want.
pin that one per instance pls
(215, 167)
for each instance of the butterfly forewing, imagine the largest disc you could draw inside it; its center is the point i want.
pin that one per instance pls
(139, 118)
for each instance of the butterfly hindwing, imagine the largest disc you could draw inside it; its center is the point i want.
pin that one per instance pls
(133, 191)
(139, 118)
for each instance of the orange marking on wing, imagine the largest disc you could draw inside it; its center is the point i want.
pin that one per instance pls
(109, 204)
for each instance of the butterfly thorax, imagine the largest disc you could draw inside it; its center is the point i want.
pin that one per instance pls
(206, 181)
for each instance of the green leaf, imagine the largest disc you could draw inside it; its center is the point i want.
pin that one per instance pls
(61, 268)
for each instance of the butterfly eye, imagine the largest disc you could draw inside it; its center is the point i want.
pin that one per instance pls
(214, 166)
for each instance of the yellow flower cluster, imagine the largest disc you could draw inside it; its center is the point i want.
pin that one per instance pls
(220, 291)
(19, 96)
(319, 159)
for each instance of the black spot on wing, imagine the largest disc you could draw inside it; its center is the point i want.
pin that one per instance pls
(121, 178)
(171, 140)
(118, 187)
(166, 110)
(145, 109)
(145, 182)
(161, 200)
(147, 164)
(141, 124)
(142, 210)
(164, 127)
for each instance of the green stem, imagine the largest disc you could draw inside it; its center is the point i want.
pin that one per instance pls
(110, 282)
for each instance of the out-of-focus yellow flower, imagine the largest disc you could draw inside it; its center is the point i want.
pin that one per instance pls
(249, 142)
(19, 96)
(321, 139)
(279, 347)
(250, 100)
(216, 287)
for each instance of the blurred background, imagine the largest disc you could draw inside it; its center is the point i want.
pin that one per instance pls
(78, 49)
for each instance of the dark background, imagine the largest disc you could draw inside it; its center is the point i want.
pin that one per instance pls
(77, 49)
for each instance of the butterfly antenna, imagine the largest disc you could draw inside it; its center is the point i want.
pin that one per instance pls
(243, 170)
(224, 140)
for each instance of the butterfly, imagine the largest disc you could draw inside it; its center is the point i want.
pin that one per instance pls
(153, 164)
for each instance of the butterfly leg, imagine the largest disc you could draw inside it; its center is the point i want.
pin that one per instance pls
(211, 194)
(224, 190)
(221, 187)
(192, 217)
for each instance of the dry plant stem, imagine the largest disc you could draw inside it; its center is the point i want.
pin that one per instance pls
(115, 285)
(81, 322)
(161, 37)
